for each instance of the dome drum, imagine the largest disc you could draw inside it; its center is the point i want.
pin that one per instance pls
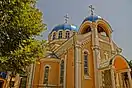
(63, 31)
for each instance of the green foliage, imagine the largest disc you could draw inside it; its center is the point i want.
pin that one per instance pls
(20, 21)
(26, 54)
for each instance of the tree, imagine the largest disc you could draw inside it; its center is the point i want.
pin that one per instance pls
(20, 22)
(21, 58)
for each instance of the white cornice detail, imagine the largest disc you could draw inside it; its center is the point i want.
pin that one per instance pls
(101, 40)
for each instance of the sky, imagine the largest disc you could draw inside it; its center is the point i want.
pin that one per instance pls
(118, 13)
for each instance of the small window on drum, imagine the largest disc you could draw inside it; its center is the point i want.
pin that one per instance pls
(54, 36)
(67, 34)
(60, 35)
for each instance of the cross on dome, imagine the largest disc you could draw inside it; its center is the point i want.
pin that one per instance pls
(66, 18)
(91, 9)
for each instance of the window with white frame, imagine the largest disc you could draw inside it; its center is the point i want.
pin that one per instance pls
(54, 36)
(86, 63)
(60, 35)
(67, 34)
(46, 74)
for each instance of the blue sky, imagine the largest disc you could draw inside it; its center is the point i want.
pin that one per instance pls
(118, 13)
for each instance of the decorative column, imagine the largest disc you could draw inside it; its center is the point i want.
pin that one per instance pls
(120, 80)
(78, 66)
(96, 52)
(31, 76)
(101, 79)
(117, 80)
(65, 69)
(130, 79)
(112, 77)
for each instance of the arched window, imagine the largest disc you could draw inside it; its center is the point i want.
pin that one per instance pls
(60, 34)
(86, 63)
(67, 34)
(54, 36)
(103, 34)
(86, 30)
(46, 74)
(101, 31)
(62, 72)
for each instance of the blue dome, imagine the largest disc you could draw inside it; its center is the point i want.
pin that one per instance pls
(65, 26)
(92, 18)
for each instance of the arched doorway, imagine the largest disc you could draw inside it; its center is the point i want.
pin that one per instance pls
(121, 72)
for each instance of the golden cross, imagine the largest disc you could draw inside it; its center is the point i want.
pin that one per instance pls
(92, 9)
(66, 18)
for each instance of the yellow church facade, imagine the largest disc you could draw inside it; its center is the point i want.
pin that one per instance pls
(84, 57)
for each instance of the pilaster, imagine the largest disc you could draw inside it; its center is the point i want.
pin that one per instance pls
(78, 66)
(113, 77)
(100, 79)
(117, 80)
(96, 52)
(65, 69)
(120, 80)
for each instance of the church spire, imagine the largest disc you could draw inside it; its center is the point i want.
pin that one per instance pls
(66, 18)
(91, 9)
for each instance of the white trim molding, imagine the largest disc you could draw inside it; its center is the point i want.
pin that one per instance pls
(78, 65)
(86, 51)
(47, 65)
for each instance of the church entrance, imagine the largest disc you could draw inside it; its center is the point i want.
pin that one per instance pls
(122, 76)
(122, 80)
(1, 83)
(125, 80)
(116, 75)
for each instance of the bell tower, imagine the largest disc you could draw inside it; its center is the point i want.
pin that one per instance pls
(98, 32)
(95, 47)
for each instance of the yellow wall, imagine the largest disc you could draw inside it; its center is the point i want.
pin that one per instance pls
(70, 68)
(36, 75)
(53, 72)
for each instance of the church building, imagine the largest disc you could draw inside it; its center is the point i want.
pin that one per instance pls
(81, 57)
